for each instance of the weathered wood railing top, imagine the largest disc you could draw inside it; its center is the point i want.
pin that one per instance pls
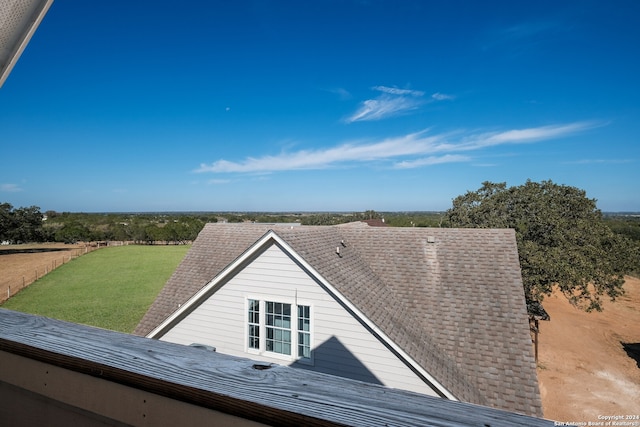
(268, 394)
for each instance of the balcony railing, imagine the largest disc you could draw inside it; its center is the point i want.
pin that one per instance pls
(54, 373)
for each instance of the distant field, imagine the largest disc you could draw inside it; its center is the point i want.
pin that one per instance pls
(110, 288)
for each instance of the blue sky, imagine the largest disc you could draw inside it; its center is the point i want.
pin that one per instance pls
(320, 105)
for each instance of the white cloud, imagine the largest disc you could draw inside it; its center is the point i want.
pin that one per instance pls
(391, 102)
(321, 159)
(10, 188)
(600, 161)
(383, 107)
(442, 96)
(432, 160)
(516, 136)
(396, 91)
(406, 151)
(341, 92)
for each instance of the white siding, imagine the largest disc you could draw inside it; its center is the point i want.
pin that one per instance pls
(340, 344)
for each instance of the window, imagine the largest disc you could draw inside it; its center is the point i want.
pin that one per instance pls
(280, 328)
(254, 324)
(304, 331)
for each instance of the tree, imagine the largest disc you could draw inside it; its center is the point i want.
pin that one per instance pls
(20, 225)
(73, 232)
(6, 221)
(561, 236)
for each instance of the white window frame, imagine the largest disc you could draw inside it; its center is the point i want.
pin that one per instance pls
(250, 322)
(262, 350)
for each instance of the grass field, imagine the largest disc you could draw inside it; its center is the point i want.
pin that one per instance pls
(110, 288)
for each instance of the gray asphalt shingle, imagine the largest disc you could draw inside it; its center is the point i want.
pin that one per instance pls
(453, 298)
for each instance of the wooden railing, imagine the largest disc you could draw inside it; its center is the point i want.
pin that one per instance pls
(54, 373)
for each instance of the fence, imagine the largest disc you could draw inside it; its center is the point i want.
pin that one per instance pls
(20, 280)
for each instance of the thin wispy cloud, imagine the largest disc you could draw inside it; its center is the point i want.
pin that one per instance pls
(383, 107)
(397, 91)
(432, 160)
(406, 151)
(393, 101)
(524, 36)
(341, 92)
(599, 161)
(529, 29)
(10, 188)
(516, 136)
(442, 97)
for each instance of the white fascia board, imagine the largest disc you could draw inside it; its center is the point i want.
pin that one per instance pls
(271, 235)
(388, 341)
(220, 278)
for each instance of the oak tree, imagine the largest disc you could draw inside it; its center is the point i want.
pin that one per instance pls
(561, 236)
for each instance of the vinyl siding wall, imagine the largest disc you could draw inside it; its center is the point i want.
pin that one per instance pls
(340, 344)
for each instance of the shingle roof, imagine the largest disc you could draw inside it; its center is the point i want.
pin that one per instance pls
(454, 299)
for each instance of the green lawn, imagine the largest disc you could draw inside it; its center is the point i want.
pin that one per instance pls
(110, 288)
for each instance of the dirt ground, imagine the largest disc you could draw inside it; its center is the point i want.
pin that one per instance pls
(584, 370)
(18, 270)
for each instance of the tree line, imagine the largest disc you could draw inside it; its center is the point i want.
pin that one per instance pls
(24, 225)
(563, 239)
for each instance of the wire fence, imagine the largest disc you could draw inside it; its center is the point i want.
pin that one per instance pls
(17, 282)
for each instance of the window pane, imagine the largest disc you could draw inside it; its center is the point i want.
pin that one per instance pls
(278, 322)
(303, 311)
(254, 342)
(304, 345)
(304, 324)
